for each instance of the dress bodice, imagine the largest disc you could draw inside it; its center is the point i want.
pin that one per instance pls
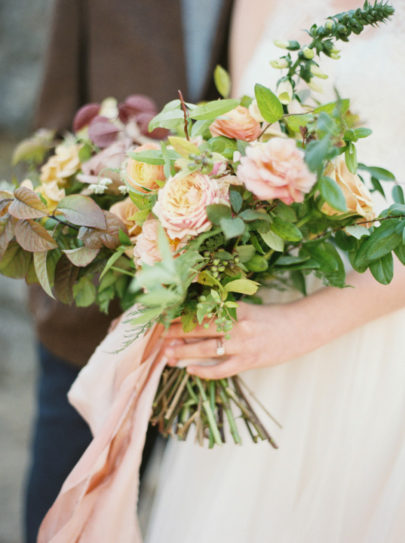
(370, 73)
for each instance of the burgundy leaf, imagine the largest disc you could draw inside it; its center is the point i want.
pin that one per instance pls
(143, 120)
(102, 131)
(85, 115)
(82, 211)
(139, 103)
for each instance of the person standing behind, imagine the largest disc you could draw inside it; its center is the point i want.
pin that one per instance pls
(99, 49)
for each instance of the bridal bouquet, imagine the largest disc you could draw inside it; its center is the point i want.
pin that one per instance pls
(184, 213)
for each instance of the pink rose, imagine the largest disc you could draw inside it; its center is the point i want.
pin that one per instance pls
(276, 169)
(237, 123)
(181, 204)
(106, 163)
(146, 250)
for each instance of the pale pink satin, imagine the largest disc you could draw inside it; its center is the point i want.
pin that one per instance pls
(114, 393)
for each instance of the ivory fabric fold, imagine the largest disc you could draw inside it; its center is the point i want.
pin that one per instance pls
(114, 394)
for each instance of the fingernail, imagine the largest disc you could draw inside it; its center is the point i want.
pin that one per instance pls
(169, 352)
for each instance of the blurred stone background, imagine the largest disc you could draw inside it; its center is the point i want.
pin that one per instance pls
(23, 35)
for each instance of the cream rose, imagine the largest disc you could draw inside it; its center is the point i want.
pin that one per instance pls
(62, 165)
(276, 169)
(237, 123)
(181, 204)
(357, 196)
(142, 176)
(126, 210)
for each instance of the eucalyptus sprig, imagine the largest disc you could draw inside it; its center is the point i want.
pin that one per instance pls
(338, 27)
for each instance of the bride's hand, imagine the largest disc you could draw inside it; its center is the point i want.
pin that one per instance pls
(263, 336)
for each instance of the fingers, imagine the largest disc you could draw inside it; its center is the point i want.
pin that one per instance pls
(227, 368)
(176, 331)
(198, 349)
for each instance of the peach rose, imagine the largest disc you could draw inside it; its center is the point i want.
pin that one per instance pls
(237, 123)
(357, 196)
(125, 210)
(62, 165)
(142, 176)
(276, 169)
(146, 250)
(181, 204)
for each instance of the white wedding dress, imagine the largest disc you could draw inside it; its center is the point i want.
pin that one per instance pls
(339, 473)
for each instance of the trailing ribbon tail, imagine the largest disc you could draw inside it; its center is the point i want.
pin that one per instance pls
(114, 393)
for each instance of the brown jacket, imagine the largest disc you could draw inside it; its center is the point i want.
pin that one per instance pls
(100, 48)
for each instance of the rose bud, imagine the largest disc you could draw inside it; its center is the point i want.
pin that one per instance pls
(102, 131)
(143, 119)
(85, 115)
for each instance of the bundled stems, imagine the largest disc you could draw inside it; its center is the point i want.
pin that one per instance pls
(183, 401)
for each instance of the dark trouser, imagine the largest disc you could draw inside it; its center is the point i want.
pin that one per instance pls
(60, 437)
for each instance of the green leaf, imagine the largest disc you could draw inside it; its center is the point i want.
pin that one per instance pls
(33, 237)
(242, 286)
(294, 122)
(41, 271)
(357, 231)
(183, 147)
(82, 256)
(379, 173)
(250, 215)
(383, 269)
(362, 132)
(377, 186)
(274, 241)
(330, 107)
(85, 152)
(124, 238)
(146, 316)
(65, 278)
(332, 193)
(222, 81)
(212, 110)
(84, 292)
(159, 297)
(170, 117)
(34, 148)
(216, 212)
(382, 241)
(398, 194)
(316, 153)
(245, 252)
(15, 262)
(400, 252)
(286, 230)
(27, 205)
(82, 211)
(236, 200)
(232, 228)
(188, 320)
(149, 156)
(257, 264)
(330, 262)
(269, 105)
(351, 157)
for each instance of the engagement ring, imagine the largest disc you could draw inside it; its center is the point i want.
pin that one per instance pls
(220, 347)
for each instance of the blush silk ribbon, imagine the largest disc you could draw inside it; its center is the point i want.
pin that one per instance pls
(114, 394)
